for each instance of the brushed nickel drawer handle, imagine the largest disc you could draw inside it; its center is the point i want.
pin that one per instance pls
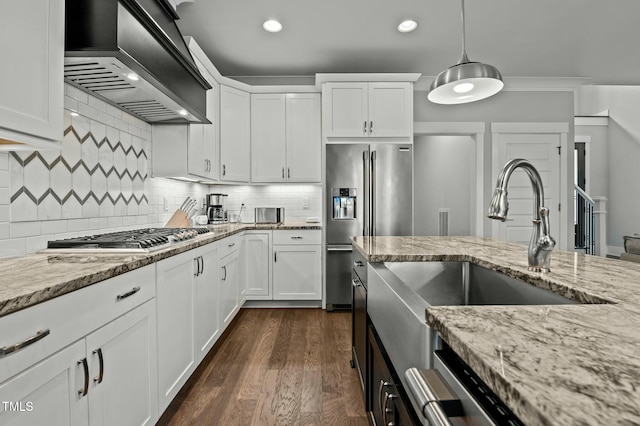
(128, 293)
(231, 245)
(357, 264)
(40, 334)
(295, 237)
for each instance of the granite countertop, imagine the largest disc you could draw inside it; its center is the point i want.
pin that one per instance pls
(38, 277)
(552, 365)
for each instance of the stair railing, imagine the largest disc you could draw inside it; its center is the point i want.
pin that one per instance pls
(584, 221)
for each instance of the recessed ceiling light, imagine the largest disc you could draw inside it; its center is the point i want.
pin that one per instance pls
(133, 77)
(407, 26)
(272, 26)
(74, 114)
(183, 112)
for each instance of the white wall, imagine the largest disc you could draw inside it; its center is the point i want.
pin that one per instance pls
(26, 225)
(507, 106)
(623, 155)
(290, 196)
(444, 178)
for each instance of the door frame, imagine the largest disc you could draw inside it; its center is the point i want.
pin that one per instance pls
(476, 130)
(565, 170)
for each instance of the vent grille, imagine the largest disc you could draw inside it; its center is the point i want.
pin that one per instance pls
(443, 222)
(111, 86)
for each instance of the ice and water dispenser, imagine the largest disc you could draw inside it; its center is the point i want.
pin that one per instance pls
(344, 203)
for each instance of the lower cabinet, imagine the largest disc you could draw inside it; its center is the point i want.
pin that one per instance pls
(107, 378)
(229, 294)
(206, 312)
(176, 334)
(387, 401)
(297, 265)
(257, 265)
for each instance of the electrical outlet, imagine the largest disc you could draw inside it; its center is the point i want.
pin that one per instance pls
(305, 203)
(166, 204)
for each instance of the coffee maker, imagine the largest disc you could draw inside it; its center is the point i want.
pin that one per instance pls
(216, 211)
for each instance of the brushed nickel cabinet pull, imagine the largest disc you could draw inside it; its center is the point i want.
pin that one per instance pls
(283, 173)
(197, 266)
(201, 265)
(364, 130)
(40, 334)
(224, 170)
(85, 366)
(371, 127)
(101, 363)
(128, 293)
(288, 172)
(296, 237)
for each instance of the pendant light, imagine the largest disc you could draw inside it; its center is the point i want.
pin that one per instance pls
(466, 81)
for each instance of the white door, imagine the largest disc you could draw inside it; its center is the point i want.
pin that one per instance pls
(303, 137)
(258, 266)
(268, 158)
(346, 113)
(235, 124)
(541, 149)
(297, 272)
(207, 323)
(122, 354)
(47, 394)
(390, 109)
(174, 301)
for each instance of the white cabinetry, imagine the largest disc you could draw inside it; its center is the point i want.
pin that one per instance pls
(189, 150)
(371, 110)
(31, 76)
(285, 138)
(106, 371)
(297, 265)
(235, 124)
(258, 265)
(229, 279)
(176, 334)
(206, 315)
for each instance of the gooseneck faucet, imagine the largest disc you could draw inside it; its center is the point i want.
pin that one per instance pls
(541, 243)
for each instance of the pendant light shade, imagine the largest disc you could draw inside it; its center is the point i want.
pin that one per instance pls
(466, 81)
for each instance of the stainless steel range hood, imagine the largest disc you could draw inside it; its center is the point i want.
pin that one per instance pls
(131, 54)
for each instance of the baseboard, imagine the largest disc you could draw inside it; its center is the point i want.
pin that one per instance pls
(282, 304)
(614, 251)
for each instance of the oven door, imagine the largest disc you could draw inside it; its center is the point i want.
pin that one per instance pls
(451, 394)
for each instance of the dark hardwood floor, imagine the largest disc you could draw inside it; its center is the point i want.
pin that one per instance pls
(275, 367)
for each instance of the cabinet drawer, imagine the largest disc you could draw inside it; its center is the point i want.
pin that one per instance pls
(297, 237)
(229, 245)
(46, 328)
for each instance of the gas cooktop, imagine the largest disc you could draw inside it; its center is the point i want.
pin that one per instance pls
(134, 241)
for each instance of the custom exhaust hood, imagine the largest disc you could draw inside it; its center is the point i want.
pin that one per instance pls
(131, 54)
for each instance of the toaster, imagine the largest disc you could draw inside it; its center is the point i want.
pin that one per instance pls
(269, 214)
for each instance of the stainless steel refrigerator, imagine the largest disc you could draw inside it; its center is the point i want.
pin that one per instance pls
(369, 192)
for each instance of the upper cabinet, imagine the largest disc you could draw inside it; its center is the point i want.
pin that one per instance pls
(235, 124)
(285, 138)
(190, 150)
(369, 110)
(31, 75)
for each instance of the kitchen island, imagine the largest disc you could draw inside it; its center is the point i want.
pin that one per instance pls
(551, 365)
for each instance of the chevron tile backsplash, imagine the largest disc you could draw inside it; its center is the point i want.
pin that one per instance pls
(100, 172)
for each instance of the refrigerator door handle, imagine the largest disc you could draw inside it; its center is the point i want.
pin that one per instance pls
(365, 221)
(372, 190)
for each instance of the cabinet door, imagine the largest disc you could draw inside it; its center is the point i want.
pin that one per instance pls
(210, 135)
(47, 393)
(122, 356)
(235, 124)
(258, 266)
(229, 288)
(174, 305)
(379, 384)
(31, 76)
(296, 272)
(346, 113)
(390, 109)
(303, 137)
(196, 161)
(268, 159)
(206, 302)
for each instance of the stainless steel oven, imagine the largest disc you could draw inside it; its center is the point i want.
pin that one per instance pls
(452, 394)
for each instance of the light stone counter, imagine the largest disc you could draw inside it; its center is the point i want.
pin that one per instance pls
(552, 365)
(38, 277)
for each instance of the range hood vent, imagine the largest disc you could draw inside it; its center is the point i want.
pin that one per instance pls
(120, 51)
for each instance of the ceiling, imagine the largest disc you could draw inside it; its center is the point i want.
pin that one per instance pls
(592, 39)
